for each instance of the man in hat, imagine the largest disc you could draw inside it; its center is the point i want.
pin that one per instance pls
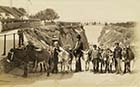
(118, 56)
(55, 57)
(78, 53)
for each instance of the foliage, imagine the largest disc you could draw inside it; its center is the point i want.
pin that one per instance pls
(47, 14)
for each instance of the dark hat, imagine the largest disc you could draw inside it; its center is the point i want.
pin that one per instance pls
(78, 36)
(11, 50)
(116, 43)
(95, 46)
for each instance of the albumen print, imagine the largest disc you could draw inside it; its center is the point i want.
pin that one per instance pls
(69, 43)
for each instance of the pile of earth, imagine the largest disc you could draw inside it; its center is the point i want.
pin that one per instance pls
(111, 34)
(65, 34)
(44, 36)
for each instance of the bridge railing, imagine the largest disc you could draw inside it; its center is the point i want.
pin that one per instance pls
(5, 41)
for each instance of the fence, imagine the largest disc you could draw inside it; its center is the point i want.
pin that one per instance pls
(5, 41)
(16, 24)
(12, 25)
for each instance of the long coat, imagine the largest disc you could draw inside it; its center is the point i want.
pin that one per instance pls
(78, 48)
(130, 55)
(78, 53)
(55, 55)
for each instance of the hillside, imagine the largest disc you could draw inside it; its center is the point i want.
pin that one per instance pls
(65, 34)
(116, 33)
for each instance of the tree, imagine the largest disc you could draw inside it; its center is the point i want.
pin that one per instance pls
(47, 14)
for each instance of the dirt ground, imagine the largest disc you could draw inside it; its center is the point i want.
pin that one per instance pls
(81, 79)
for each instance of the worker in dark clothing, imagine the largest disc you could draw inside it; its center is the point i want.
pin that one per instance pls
(21, 37)
(129, 57)
(78, 53)
(118, 57)
(55, 57)
(95, 58)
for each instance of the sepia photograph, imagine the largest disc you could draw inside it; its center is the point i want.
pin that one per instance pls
(69, 43)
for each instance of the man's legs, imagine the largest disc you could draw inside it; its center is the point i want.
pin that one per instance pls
(22, 39)
(79, 60)
(125, 67)
(93, 63)
(19, 42)
(76, 65)
(96, 65)
(118, 66)
(55, 69)
(129, 67)
(106, 66)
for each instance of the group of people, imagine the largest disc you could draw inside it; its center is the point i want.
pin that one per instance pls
(103, 60)
(112, 60)
(106, 60)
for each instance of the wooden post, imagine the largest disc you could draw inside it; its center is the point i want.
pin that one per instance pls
(4, 50)
(14, 40)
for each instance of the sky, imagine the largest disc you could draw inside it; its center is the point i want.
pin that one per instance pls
(84, 10)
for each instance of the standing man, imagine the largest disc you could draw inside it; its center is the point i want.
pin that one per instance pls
(118, 56)
(129, 57)
(55, 57)
(21, 37)
(78, 53)
(95, 58)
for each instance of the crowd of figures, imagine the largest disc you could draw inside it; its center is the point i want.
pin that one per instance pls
(103, 60)
(106, 60)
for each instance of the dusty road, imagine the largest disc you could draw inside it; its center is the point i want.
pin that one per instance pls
(81, 79)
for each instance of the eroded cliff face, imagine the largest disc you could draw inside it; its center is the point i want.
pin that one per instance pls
(114, 33)
(66, 35)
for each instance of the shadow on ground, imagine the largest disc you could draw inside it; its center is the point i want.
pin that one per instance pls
(15, 77)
